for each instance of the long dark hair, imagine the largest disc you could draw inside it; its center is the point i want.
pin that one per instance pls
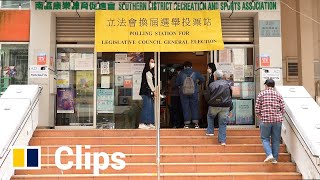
(147, 66)
(212, 66)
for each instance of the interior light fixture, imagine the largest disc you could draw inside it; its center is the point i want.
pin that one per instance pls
(19, 6)
(45, 3)
(71, 3)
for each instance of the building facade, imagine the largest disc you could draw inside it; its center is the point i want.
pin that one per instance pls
(301, 44)
(251, 31)
(14, 42)
(84, 88)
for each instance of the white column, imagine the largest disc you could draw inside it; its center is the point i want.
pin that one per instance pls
(270, 46)
(43, 40)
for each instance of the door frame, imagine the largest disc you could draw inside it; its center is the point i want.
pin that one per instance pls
(79, 46)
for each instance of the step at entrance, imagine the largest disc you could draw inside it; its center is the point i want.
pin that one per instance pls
(185, 154)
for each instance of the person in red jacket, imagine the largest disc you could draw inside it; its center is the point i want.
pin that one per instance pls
(270, 110)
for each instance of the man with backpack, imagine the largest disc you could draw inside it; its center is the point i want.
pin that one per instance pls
(189, 94)
(219, 98)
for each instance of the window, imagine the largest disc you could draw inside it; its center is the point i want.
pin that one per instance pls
(237, 65)
(14, 63)
(118, 83)
(15, 4)
(75, 86)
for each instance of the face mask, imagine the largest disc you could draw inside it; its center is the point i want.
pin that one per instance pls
(209, 71)
(152, 65)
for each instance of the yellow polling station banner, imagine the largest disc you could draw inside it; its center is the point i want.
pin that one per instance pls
(158, 31)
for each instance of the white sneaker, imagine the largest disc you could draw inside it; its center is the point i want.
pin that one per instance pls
(151, 126)
(143, 126)
(223, 144)
(269, 159)
(196, 126)
(209, 134)
(274, 161)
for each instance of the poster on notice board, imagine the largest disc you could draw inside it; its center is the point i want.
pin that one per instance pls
(105, 81)
(123, 69)
(239, 55)
(226, 68)
(137, 68)
(63, 79)
(105, 101)
(118, 80)
(127, 81)
(248, 71)
(236, 90)
(247, 90)
(244, 112)
(65, 100)
(136, 78)
(83, 62)
(238, 73)
(74, 57)
(63, 61)
(105, 67)
(121, 57)
(84, 81)
(225, 56)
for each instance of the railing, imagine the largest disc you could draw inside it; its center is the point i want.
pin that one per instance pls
(308, 146)
(4, 83)
(21, 135)
(306, 158)
(301, 130)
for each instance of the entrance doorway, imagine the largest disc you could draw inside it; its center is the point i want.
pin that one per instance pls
(171, 115)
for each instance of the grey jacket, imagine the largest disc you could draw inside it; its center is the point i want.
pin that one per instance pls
(219, 94)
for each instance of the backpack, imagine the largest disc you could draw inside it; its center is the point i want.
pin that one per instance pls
(188, 85)
(221, 97)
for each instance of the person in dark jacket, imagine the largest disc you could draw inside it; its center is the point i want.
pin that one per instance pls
(220, 101)
(176, 115)
(190, 103)
(147, 92)
(211, 68)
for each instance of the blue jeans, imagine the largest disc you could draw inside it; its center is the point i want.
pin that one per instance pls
(147, 113)
(176, 118)
(273, 130)
(222, 113)
(190, 108)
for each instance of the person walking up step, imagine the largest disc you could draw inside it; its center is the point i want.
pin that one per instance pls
(270, 110)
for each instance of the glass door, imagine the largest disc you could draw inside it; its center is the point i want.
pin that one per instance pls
(118, 103)
(237, 63)
(75, 87)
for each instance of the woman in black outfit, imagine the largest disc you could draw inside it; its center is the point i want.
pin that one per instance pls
(211, 68)
(147, 92)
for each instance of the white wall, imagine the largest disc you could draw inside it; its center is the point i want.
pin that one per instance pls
(271, 46)
(42, 39)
